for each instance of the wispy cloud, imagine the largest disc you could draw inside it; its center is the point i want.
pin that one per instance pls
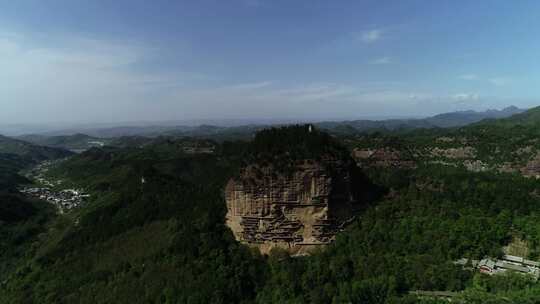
(79, 79)
(496, 81)
(371, 36)
(93, 80)
(316, 92)
(469, 77)
(466, 97)
(268, 99)
(500, 81)
(251, 85)
(381, 61)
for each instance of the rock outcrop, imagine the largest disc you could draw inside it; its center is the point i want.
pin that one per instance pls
(384, 157)
(454, 153)
(298, 210)
(532, 168)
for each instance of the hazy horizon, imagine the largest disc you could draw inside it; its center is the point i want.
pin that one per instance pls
(134, 61)
(64, 128)
(17, 129)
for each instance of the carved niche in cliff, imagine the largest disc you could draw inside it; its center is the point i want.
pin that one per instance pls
(297, 211)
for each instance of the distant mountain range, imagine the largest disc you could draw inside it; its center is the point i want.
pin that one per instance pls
(79, 140)
(73, 142)
(445, 120)
(28, 151)
(529, 118)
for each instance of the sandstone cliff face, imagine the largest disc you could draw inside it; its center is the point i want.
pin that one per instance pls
(296, 211)
(383, 157)
(532, 168)
(454, 153)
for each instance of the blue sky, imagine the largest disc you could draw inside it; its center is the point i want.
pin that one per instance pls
(127, 60)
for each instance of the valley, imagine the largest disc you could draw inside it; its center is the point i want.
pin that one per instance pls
(295, 212)
(53, 191)
(269, 151)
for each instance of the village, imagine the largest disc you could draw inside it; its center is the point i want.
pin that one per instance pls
(48, 189)
(64, 200)
(493, 266)
(38, 172)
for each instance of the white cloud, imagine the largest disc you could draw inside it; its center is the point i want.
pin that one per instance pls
(469, 77)
(466, 97)
(310, 100)
(78, 80)
(381, 61)
(500, 81)
(251, 85)
(371, 36)
(93, 80)
(315, 92)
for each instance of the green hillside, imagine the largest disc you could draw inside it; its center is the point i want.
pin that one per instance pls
(70, 142)
(30, 151)
(529, 118)
(21, 219)
(154, 232)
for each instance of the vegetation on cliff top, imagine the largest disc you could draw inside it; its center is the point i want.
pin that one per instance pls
(299, 141)
(164, 240)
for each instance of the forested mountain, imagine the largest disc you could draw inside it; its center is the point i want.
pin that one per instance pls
(445, 120)
(154, 229)
(529, 118)
(76, 138)
(463, 118)
(69, 142)
(21, 219)
(30, 151)
(269, 152)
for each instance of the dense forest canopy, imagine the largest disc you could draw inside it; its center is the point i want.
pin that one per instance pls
(154, 229)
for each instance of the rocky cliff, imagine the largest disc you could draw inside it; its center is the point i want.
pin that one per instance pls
(384, 157)
(296, 211)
